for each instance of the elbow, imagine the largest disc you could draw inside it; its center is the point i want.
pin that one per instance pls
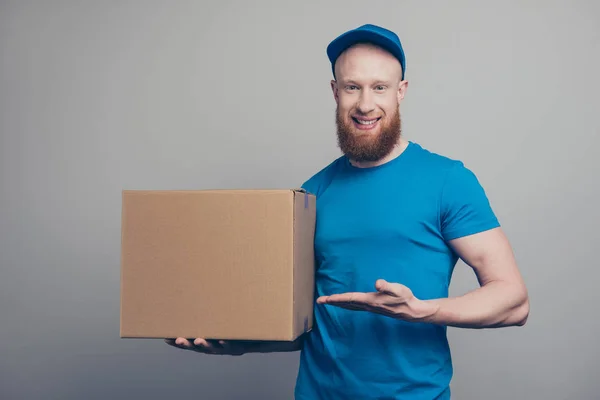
(522, 313)
(517, 313)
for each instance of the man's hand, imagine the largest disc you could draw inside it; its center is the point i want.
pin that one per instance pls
(391, 299)
(235, 347)
(217, 347)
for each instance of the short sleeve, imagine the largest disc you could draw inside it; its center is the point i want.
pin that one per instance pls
(311, 185)
(319, 182)
(464, 207)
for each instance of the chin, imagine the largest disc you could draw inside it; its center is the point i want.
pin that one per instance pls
(368, 136)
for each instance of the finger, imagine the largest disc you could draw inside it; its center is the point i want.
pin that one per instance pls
(183, 343)
(352, 306)
(351, 298)
(385, 287)
(392, 289)
(179, 343)
(378, 309)
(200, 342)
(210, 346)
(218, 347)
(206, 344)
(337, 298)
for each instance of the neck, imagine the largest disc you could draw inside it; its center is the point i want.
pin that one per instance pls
(396, 151)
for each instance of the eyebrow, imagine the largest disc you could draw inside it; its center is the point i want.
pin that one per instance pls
(376, 83)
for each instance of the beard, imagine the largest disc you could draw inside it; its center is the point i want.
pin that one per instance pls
(364, 146)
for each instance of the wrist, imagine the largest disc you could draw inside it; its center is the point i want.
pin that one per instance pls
(423, 310)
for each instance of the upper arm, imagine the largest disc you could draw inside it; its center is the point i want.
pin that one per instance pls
(490, 255)
(471, 229)
(464, 206)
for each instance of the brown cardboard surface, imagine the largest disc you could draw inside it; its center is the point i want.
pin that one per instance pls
(217, 264)
(304, 230)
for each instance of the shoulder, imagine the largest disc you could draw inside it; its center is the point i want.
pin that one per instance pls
(464, 207)
(451, 178)
(318, 182)
(436, 166)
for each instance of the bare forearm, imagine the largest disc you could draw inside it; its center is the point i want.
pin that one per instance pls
(497, 304)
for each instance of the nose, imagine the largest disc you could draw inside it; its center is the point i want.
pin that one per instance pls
(366, 104)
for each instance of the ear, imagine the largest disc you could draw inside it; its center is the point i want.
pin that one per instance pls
(402, 87)
(334, 89)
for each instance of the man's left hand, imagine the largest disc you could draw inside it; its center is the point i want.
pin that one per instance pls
(391, 299)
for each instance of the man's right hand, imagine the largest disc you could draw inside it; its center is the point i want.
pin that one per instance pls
(234, 347)
(217, 347)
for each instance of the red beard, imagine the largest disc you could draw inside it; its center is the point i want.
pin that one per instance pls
(368, 147)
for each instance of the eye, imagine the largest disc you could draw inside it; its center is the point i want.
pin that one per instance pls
(380, 88)
(351, 87)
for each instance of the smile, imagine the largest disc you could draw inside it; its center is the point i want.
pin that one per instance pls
(365, 124)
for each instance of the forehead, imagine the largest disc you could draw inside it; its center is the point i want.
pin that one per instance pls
(367, 62)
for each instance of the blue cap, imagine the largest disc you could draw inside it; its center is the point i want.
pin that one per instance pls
(367, 33)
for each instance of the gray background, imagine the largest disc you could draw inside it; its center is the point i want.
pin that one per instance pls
(96, 97)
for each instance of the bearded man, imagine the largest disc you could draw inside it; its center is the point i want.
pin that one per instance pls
(393, 219)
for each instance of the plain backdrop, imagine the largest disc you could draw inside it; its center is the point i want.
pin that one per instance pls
(101, 96)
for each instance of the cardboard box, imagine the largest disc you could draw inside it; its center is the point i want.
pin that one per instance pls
(217, 264)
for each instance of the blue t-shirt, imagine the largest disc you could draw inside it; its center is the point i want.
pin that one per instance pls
(392, 222)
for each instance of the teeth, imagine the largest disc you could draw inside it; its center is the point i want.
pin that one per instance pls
(366, 122)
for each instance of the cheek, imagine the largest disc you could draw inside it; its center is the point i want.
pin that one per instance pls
(388, 106)
(346, 103)
(345, 112)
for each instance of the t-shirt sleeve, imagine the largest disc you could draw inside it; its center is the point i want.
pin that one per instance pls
(311, 185)
(319, 182)
(464, 208)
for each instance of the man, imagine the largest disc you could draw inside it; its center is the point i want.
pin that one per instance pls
(392, 220)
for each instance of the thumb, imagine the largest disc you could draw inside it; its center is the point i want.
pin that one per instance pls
(386, 287)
